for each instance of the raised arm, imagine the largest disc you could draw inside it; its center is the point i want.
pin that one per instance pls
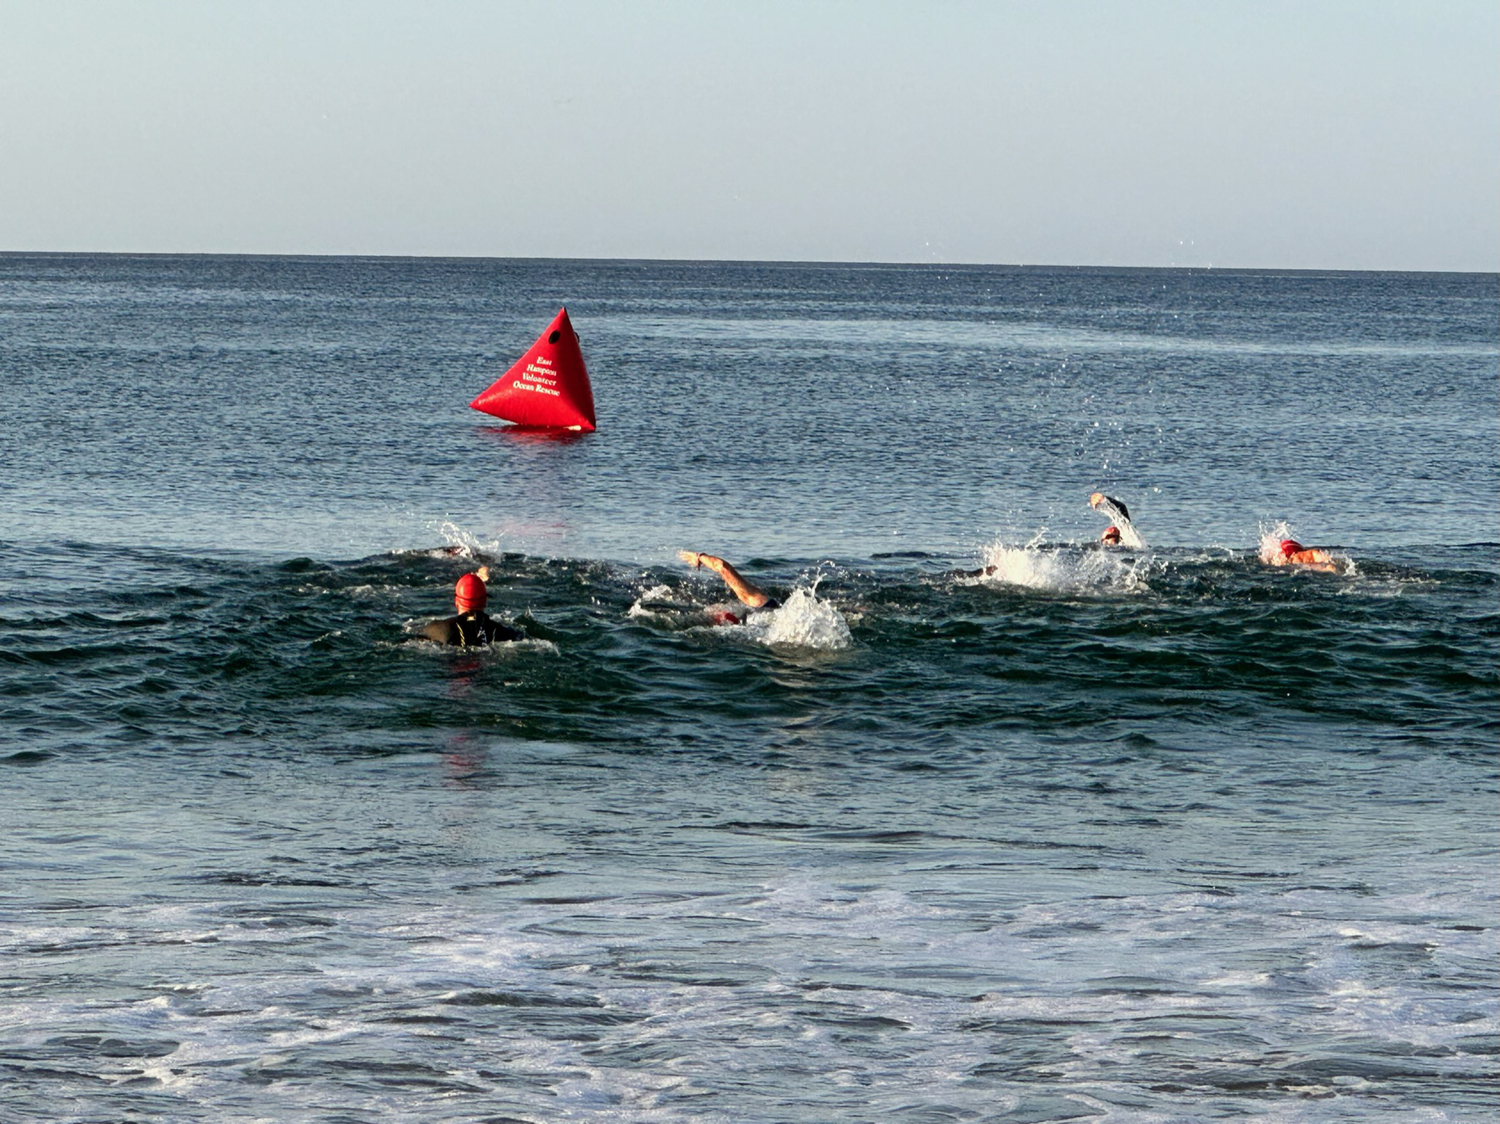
(747, 593)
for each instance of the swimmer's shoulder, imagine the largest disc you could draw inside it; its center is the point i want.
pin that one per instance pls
(499, 633)
(475, 628)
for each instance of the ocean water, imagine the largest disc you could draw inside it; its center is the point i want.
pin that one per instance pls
(985, 824)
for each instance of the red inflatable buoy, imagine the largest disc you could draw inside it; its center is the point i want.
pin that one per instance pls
(547, 387)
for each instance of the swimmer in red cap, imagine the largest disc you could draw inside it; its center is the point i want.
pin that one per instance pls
(1119, 515)
(749, 594)
(472, 626)
(1290, 552)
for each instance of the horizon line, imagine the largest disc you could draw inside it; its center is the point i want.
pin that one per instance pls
(805, 262)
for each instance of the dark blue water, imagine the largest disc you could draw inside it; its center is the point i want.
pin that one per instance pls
(1159, 834)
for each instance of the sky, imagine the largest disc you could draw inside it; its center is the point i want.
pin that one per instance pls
(1315, 134)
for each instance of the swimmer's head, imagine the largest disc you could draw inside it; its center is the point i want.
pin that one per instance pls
(469, 594)
(1111, 535)
(1290, 547)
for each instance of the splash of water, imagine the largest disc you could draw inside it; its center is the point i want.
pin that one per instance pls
(652, 602)
(1270, 540)
(803, 621)
(1059, 569)
(463, 542)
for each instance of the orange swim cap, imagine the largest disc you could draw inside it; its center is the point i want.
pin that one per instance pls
(1111, 534)
(469, 594)
(1290, 547)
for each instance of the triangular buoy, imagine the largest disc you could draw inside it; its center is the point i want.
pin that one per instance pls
(547, 387)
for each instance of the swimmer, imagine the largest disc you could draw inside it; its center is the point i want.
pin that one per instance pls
(1290, 552)
(749, 594)
(1121, 531)
(472, 626)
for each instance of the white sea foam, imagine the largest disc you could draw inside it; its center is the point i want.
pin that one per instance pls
(601, 967)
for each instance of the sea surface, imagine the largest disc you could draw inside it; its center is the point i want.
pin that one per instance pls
(1142, 835)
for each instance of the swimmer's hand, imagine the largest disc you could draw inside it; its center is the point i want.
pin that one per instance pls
(698, 560)
(483, 574)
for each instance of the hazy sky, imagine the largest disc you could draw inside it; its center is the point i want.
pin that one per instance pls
(1314, 133)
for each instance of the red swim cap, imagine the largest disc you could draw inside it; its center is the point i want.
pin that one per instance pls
(1111, 534)
(469, 594)
(1290, 547)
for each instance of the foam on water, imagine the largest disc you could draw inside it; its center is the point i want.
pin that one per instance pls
(547, 1003)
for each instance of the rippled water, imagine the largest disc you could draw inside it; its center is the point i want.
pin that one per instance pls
(1124, 836)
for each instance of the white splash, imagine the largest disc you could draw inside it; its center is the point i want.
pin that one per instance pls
(1063, 569)
(1270, 540)
(1129, 536)
(463, 543)
(656, 602)
(803, 621)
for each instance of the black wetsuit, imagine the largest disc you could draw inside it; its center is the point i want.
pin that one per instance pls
(468, 630)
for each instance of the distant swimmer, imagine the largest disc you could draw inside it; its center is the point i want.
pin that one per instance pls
(750, 595)
(1121, 531)
(472, 626)
(1290, 552)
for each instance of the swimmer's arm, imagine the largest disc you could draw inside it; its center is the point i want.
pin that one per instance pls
(504, 633)
(748, 593)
